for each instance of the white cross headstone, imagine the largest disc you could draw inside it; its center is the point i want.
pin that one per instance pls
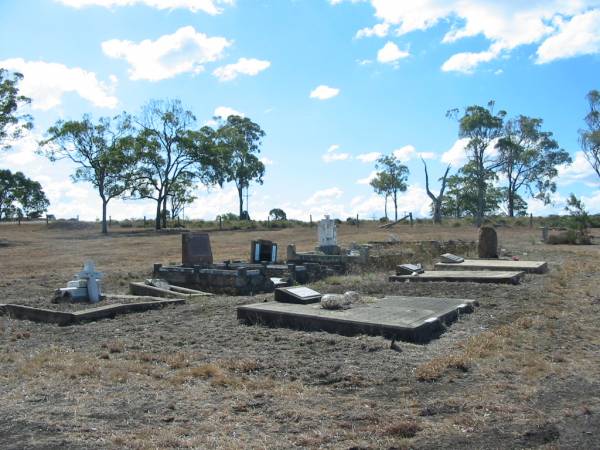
(91, 276)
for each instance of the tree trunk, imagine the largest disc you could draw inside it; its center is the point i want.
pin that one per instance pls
(104, 226)
(511, 202)
(480, 199)
(241, 196)
(395, 207)
(158, 210)
(437, 211)
(385, 207)
(164, 212)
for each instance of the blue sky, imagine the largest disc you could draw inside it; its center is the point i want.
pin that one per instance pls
(334, 83)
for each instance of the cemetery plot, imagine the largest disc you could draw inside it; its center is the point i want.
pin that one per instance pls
(478, 276)
(495, 264)
(414, 319)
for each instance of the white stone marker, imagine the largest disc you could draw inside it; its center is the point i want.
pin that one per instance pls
(327, 232)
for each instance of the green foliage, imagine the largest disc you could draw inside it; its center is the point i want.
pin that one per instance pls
(578, 219)
(228, 217)
(237, 141)
(103, 152)
(390, 180)
(590, 138)
(277, 214)
(12, 124)
(528, 157)
(20, 196)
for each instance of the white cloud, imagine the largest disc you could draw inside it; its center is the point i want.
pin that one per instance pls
(427, 155)
(405, 153)
(46, 83)
(211, 7)
(226, 111)
(266, 161)
(368, 178)
(457, 154)
(243, 66)
(506, 25)
(579, 36)
(390, 53)
(368, 157)
(364, 62)
(331, 154)
(323, 196)
(466, 62)
(186, 50)
(579, 170)
(324, 92)
(379, 30)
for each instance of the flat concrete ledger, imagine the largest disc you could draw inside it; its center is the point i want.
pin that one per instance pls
(495, 264)
(413, 319)
(478, 276)
(69, 318)
(136, 288)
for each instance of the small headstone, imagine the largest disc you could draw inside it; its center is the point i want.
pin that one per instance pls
(451, 259)
(409, 269)
(263, 251)
(85, 286)
(302, 295)
(488, 242)
(195, 249)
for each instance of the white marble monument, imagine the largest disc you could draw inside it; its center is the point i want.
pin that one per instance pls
(85, 286)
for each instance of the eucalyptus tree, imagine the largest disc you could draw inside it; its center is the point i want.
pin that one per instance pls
(238, 140)
(528, 157)
(103, 152)
(481, 127)
(20, 196)
(590, 138)
(12, 123)
(169, 152)
(390, 179)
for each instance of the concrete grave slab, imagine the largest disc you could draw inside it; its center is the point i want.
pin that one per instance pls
(170, 291)
(414, 319)
(302, 295)
(478, 276)
(495, 264)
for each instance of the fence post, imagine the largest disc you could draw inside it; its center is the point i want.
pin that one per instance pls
(411, 219)
(357, 225)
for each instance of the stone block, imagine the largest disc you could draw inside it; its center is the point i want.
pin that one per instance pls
(195, 249)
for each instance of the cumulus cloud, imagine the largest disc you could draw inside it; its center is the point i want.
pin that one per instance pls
(226, 111)
(46, 83)
(368, 157)
(332, 154)
(368, 178)
(563, 28)
(578, 36)
(243, 66)
(186, 50)
(405, 153)
(390, 54)
(323, 195)
(457, 154)
(324, 92)
(211, 7)
(579, 170)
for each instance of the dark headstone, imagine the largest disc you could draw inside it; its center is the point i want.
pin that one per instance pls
(263, 251)
(195, 249)
(301, 295)
(488, 242)
(409, 269)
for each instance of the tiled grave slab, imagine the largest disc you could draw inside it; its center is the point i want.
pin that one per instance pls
(414, 319)
(495, 264)
(478, 276)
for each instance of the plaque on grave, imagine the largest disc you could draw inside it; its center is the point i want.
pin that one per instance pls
(302, 295)
(195, 249)
(409, 269)
(451, 259)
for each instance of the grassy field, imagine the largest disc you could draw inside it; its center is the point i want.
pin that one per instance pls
(522, 371)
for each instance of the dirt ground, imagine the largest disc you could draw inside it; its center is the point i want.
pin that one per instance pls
(522, 371)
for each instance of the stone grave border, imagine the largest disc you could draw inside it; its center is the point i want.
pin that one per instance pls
(64, 318)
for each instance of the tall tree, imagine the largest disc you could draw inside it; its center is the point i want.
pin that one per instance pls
(481, 126)
(20, 196)
(529, 157)
(391, 179)
(103, 152)
(238, 140)
(169, 151)
(181, 195)
(12, 124)
(590, 138)
(379, 185)
(436, 201)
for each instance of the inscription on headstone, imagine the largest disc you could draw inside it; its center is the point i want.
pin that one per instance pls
(327, 232)
(195, 249)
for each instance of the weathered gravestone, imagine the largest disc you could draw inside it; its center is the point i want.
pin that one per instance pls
(328, 237)
(302, 295)
(488, 242)
(195, 249)
(85, 286)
